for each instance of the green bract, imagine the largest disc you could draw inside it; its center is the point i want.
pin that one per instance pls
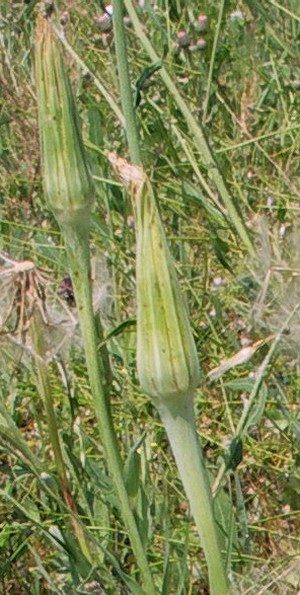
(68, 185)
(167, 361)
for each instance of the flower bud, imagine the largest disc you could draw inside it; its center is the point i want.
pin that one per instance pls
(183, 39)
(68, 186)
(201, 23)
(167, 361)
(104, 22)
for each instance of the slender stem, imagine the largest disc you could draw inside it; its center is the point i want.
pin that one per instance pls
(45, 394)
(101, 88)
(44, 390)
(197, 131)
(212, 59)
(79, 262)
(179, 421)
(124, 81)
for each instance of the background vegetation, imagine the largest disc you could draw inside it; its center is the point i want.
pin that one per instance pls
(240, 77)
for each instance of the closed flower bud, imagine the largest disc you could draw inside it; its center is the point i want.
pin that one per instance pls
(201, 23)
(183, 39)
(167, 360)
(68, 185)
(104, 22)
(200, 43)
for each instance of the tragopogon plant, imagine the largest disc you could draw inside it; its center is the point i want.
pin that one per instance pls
(69, 192)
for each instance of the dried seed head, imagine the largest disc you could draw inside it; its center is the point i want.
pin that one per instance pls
(68, 185)
(274, 282)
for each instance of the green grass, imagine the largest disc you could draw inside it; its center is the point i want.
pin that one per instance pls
(246, 80)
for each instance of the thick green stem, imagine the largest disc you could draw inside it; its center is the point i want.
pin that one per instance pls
(179, 421)
(124, 82)
(79, 262)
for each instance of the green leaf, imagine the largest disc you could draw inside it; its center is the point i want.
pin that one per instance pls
(225, 518)
(234, 454)
(242, 515)
(120, 328)
(132, 473)
(197, 198)
(143, 81)
(143, 516)
(240, 384)
(221, 249)
(257, 411)
(132, 468)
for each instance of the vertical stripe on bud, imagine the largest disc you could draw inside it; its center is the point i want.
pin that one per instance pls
(68, 185)
(167, 361)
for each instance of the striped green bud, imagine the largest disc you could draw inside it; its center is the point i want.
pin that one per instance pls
(68, 186)
(167, 361)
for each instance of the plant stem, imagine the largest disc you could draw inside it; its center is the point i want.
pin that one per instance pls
(44, 390)
(181, 426)
(179, 421)
(198, 133)
(101, 88)
(212, 59)
(124, 82)
(45, 394)
(79, 262)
